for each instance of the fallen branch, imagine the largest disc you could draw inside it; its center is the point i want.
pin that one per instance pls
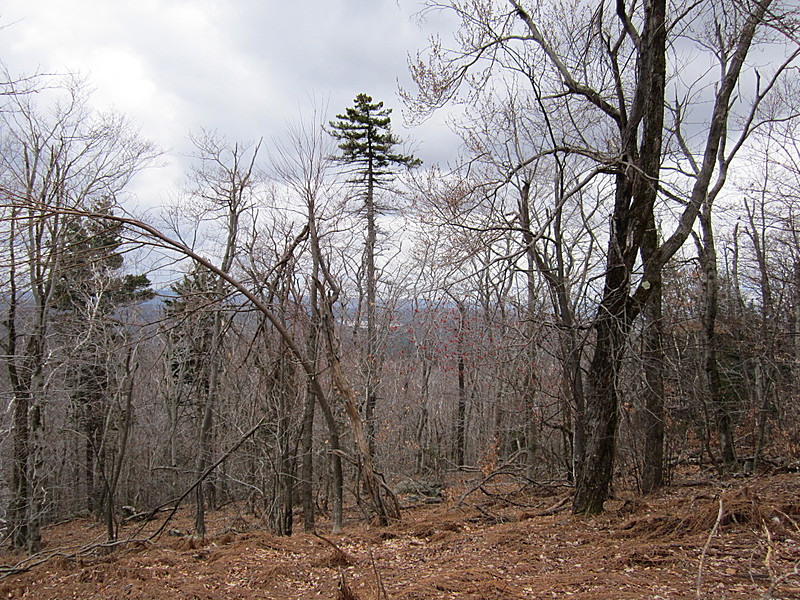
(340, 557)
(556, 508)
(504, 469)
(34, 560)
(479, 485)
(706, 547)
(493, 519)
(175, 504)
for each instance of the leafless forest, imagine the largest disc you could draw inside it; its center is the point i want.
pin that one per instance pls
(603, 287)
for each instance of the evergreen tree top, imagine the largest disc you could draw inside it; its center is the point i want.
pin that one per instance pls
(366, 140)
(91, 265)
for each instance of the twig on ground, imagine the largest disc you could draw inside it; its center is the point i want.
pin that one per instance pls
(494, 519)
(345, 593)
(504, 469)
(479, 485)
(382, 595)
(706, 547)
(340, 557)
(504, 498)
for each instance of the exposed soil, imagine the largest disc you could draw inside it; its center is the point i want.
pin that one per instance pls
(496, 544)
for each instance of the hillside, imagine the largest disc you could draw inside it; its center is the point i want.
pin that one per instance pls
(496, 543)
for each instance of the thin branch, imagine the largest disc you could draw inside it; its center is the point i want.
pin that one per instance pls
(706, 547)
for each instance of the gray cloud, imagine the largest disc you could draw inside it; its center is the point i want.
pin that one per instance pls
(242, 68)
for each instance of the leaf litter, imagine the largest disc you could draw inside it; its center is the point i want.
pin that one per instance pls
(675, 544)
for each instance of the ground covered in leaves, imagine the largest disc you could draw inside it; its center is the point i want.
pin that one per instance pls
(735, 540)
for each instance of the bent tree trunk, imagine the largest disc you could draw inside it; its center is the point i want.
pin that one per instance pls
(385, 508)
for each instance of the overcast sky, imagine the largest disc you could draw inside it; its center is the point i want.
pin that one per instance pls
(241, 67)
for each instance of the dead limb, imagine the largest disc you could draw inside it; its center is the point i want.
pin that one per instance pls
(340, 557)
(175, 504)
(68, 552)
(557, 507)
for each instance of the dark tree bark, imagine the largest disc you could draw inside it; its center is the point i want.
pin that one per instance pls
(461, 405)
(636, 189)
(710, 307)
(307, 435)
(533, 262)
(653, 363)
(284, 477)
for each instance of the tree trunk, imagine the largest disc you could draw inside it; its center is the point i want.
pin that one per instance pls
(461, 415)
(422, 435)
(653, 363)
(556, 278)
(371, 362)
(721, 411)
(597, 463)
(384, 510)
(112, 481)
(26, 505)
(307, 435)
(206, 433)
(461, 404)
(763, 389)
(635, 194)
(283, 518)
(21, 485)
(307, 464)
(654, 413)
(533, 262)
(795, 346)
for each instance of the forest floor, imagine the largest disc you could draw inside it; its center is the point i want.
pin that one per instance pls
(495, 542)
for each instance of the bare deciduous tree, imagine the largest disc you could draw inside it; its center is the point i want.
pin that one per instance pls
(54, 160)
(611, 88)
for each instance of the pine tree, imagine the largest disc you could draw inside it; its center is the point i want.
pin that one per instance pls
(367, 144)
(89, 289)
(89, 278)
(188, 329)
(189, 313)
